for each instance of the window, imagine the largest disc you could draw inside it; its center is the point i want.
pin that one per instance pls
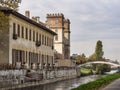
(13, 56)
(18, 56)
(56, 22)
(56, 37)
(14, 28)
(33, 35)
(29, 58)
(18, 28)
(51, 21)
(36, 36)
(23, 56)
(45, 40)
(52, 42)
(26, 33)
(39, 58)
(48, 41)
(22, 32)
(40, 37)
(30, 35)
(26, 56)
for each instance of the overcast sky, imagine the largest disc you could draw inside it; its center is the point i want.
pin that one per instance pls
(91, 20)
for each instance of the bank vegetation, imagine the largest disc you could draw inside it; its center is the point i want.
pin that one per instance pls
(99, 83)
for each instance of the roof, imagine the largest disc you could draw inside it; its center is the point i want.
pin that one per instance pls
(28, 20)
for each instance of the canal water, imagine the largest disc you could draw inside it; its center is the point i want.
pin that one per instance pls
(64, 85)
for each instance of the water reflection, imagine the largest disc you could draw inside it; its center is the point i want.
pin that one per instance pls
(64, 85)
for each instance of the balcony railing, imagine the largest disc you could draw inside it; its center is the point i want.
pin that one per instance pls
(15, 36)
(38, 43)
(52, 47)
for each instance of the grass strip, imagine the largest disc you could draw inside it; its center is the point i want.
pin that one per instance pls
(97, 84)
(85, 71)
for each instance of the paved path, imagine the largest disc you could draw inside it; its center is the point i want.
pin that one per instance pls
(113, 86)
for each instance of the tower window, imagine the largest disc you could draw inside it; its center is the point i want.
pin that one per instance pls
(51, 21)
(56, 21)
(56, 37)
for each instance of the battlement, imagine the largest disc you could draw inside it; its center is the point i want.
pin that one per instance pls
(67, 21)
(55, 15)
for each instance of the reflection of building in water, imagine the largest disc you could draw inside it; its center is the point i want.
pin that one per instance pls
(60, 25)
(26, 42)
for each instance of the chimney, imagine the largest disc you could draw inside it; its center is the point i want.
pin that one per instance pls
(37, 18)
(27, 14)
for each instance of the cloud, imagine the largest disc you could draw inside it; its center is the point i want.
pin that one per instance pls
(91, 20)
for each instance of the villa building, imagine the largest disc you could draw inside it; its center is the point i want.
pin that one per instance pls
(28, 41)
(31, 43)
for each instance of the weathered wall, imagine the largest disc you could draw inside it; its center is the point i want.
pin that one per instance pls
(65, 63)
(11, 77)
(4, 46)
(59, 73)
(27, 45)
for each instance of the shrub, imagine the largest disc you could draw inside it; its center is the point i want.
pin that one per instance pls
(95, 85)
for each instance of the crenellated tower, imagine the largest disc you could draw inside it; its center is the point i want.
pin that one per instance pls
(60, 25)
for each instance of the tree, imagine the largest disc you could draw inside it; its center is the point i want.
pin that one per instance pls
(116, 62)
(101, 68)
(4, 24)
(10, 4)
(81, 59)
(92, 57)
(99, 50)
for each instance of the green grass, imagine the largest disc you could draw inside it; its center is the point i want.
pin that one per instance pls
(85, 71)
(97, 84)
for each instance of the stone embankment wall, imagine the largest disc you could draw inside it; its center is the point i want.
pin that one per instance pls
(11, 78)
(59, 73)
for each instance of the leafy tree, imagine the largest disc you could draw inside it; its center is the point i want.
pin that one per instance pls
(99, 50)
(4, 27)
(81, 59)
(4, 24)
(101, 68)
(92, 57)
(10, 4)
(116, 62)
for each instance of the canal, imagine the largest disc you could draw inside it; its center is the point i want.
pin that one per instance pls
(64, 85)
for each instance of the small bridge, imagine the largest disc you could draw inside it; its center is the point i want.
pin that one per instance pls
(100, 62)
